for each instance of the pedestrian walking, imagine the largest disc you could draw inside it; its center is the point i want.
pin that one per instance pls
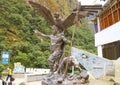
(9, 74)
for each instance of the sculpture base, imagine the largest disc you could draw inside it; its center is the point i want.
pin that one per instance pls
(57, 79)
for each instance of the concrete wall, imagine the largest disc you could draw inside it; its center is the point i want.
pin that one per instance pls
(35, 74)
(37, 70)
(33, 77)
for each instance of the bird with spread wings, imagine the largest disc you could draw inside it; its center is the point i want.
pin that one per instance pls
(54, 19)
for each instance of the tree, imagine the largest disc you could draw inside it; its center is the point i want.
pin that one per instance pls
(17, 22)
(1, 69)
(23, 58)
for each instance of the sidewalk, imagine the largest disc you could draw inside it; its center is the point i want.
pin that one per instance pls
(92, 82)
(103, 81)
(34, 83)
(20, 80)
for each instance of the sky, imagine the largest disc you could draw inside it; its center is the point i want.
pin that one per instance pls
(91, 2)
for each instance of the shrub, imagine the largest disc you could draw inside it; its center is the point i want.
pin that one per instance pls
(1, 69)
(22, 83)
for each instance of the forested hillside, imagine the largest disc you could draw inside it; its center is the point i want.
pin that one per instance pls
(64, 7)
(17, 22)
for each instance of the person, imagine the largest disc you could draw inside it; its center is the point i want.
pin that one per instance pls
(57, 40)
(9, 73)
(2, 82)
(11, 81)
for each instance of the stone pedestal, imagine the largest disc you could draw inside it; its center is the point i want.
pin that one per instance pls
(57, 79)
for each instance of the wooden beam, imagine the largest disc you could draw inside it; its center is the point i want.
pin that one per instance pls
(91, 5)
(94, 10)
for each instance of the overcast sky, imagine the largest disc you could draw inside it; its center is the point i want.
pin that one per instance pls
(91, 2)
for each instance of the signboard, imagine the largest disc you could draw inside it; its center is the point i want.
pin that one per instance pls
(97, 66)
(18, 68)
(5, 57)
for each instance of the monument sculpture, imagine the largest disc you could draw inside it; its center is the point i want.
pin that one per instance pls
(56, 60)
(57, 40)
(72, 62)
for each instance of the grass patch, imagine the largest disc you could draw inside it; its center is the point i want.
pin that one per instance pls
(22, 83)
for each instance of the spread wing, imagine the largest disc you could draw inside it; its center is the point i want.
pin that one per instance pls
(71, 19)
(43, 11)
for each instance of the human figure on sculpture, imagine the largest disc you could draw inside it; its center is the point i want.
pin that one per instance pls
(71, 61)
(55, 19)
(58, 41)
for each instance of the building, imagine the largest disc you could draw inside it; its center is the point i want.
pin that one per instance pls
(107, 36)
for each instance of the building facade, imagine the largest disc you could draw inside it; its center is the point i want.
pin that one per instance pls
(107, 37)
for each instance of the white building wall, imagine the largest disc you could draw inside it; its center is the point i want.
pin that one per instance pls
(108, 35)
(99, 50)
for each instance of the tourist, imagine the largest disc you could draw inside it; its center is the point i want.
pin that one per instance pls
(9, 74)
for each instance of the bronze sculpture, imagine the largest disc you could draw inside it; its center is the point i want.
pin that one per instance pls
(57, 40)
(72, 62)
(55, 19)
(56, 60)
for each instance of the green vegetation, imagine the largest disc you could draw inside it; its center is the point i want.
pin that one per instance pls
(22, 83)
(1, 69)
(17, 22)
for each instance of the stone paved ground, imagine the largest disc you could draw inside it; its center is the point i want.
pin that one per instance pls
(100, 82)
(103, 81)
(19, 80)
(34, 83)
(92, 82)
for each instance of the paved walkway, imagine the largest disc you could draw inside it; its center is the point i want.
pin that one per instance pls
(20, 80)
(91, 82)
(34, 83)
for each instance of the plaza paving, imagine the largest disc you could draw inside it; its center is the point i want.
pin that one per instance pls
(19, 80)
(92, 82)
